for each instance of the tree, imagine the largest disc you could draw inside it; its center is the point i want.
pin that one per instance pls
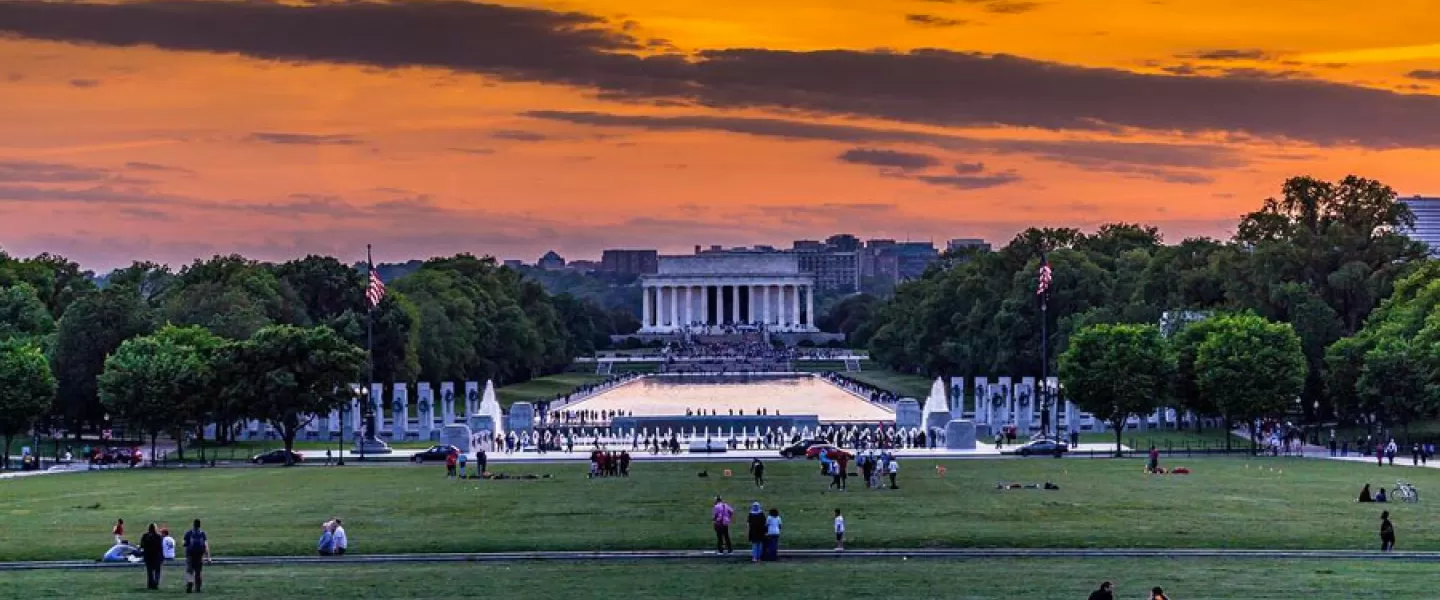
(1396, 381)
(231, 296)
(26, 390)
(290, 374)
(1116, 371)
(1252, 368)
(149, 383)
(1185, 347)
(22, 314)
(92, 328)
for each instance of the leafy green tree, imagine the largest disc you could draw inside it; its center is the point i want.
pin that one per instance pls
(57, 281)
(26, 390)
(148, 383)
(231, 296)
(22, 314)
(93, 326)
(1116, 371)
(1185, 347)
(290, 374)
(1396, 381)
(1252, 369)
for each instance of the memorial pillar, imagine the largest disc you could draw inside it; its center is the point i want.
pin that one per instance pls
(795, 305)
(705, 304)
(674, 306)
(645, 306)
(765, 304)
(735, 304)
(809, 307)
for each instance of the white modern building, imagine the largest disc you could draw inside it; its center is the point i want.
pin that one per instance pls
(1427, 221)
(722, 289)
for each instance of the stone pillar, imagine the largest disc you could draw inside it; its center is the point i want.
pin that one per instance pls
(674, 307)
(472, 398)
(377, 405)
(356, 424)
(645, 307)
(735, 306)
(399, 412)
(751, 293)
(689, 317)
(425, 409)
(795, 305)
(447, 403)
(809, 307)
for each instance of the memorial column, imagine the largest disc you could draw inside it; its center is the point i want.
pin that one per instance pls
(809, 306)
(705, 304)
(645, 308)
(795, 305)
(735, 304)
(674, 306)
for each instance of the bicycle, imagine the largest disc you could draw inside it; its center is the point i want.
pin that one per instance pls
(1404, 492)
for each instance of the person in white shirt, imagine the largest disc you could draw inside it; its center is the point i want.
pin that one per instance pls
(772, 536)
(894, 469)
(341, 542)
(839, 530)
(167, 545)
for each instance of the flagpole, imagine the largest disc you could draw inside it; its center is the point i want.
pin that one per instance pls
(369, 348)
(1045, 397)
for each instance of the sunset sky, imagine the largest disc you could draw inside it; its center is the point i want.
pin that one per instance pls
(175, 129)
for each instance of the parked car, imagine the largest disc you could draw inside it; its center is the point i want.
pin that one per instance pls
(276, 457)
(438, 452)
(1043, 447)
(830, 451)
(798, 449)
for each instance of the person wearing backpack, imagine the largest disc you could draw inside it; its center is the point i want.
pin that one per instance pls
(197, 551)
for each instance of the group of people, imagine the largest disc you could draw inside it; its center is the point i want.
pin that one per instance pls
(456, 467)
(156, 547)
(609, 464)
(875, 394)
(1107, 592)
(762, 530)
(333, 540)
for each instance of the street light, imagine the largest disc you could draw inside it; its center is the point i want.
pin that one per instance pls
(340, 453)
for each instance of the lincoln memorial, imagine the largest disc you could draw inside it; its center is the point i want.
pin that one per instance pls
(707, 290)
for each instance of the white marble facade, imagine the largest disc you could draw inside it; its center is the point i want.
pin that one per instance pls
(709, 290)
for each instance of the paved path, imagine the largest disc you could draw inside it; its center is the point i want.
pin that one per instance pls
(742, 555)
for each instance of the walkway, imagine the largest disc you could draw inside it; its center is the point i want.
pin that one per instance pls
(677, 555)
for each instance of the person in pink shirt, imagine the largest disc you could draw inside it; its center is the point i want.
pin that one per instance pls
(721, 515)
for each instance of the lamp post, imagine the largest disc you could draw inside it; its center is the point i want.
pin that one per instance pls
(340, 450)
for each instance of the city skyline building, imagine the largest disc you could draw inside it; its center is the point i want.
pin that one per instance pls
(1427, 221)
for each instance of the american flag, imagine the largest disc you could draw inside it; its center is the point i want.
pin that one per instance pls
(376, 289)
(1044, 277)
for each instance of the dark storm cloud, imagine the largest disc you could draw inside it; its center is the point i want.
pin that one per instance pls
(1228, 54)
(905, 161)
(19, 171)
(971, 182)
(84, 83)
(924, 20)
(518, 135)
(303, 139)
(1424, 74)
(1077, 152)
(932, 87)
(146, 166)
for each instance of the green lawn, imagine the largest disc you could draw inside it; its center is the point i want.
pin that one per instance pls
(887, 579)
(1168, 440)
(1101, 503)
(903, 384)
(544, 388)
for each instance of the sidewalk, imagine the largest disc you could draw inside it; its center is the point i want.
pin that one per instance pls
(986, 451)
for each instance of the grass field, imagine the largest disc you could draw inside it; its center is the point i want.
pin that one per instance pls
(543, 388)
(1226, 503)
(903, 384)
(1192, 579)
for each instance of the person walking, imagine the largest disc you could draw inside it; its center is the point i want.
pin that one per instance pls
(772, 535)
(462, 458)
(721, 515)
(1158, 594)
(839, 531)
(450, 461)
(341, 541)
(755, 532)
(894, 469)
(1387, 532)
(757, 469)
(328, 457)
(1104, 593)
(1390, 450)
(197, 551)
(480, 461)
(152, 548)
(118, 530)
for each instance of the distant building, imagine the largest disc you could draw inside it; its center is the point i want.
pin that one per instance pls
(551, 261)
(514, 263)
(843, 242)
(582, 266)
(1427, 221)
(967, 244)
(630, 262)
(869, 256)
(807, 246)
(833, 271)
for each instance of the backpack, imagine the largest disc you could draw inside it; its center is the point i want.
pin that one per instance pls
(195, 541)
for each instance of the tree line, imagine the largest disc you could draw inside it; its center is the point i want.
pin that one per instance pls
(229, 338)
(1326, 259)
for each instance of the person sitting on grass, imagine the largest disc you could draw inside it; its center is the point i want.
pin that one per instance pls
(122, 552)
(1365, 494)
(1380, 495)
(327, 539)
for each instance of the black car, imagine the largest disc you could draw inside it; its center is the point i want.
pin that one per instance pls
(798, 449)
(434, 453)
(1043, 447)
(276, 457)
